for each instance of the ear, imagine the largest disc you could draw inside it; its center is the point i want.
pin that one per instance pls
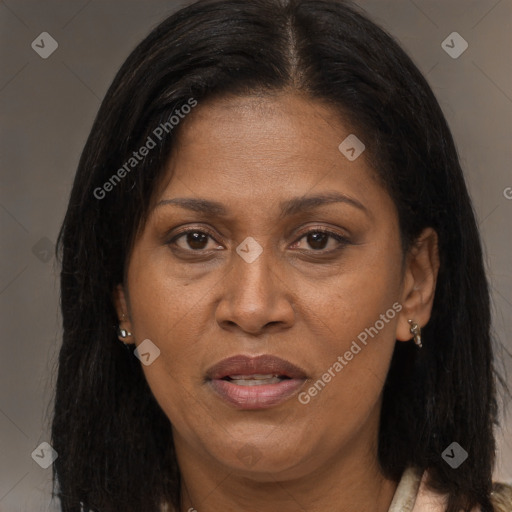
(123, 316)
(419, 283)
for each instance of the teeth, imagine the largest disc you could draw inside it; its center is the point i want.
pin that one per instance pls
(257, 376)
(255, 381)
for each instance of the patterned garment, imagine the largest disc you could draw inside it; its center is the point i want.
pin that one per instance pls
(412, 495)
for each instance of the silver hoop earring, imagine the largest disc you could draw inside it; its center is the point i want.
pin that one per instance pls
(416, 332)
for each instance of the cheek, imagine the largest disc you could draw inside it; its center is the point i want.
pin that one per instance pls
(353, 298)
(162, 302)
(356, 315)
(168, 311)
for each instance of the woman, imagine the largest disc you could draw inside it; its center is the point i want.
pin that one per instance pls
(273, 293)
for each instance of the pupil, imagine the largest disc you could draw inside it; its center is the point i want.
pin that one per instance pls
(317, 240)
(196, 240)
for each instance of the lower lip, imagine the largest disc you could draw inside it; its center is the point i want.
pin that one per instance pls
(256, 397)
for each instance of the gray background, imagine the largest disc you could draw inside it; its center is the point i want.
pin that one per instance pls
(47, 107)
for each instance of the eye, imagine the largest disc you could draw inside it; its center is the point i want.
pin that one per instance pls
(197, 240)
(318, 239)
(193, 239)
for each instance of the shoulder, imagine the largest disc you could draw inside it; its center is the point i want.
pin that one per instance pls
(427, 500)
(501, 497)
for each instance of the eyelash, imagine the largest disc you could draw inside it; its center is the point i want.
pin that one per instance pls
(339, 238)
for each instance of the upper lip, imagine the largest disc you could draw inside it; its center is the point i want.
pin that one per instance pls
(254, 365)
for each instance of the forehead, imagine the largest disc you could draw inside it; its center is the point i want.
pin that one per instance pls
(264, 123)
(261, 150)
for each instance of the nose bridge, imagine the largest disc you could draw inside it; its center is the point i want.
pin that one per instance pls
(252, 265)
(253, 294)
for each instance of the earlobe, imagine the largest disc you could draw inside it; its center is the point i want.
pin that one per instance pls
(419, 286)
(124, 330)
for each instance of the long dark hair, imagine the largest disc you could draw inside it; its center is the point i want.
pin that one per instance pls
(109, 431)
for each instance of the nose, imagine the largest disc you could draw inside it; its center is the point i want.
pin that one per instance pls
(256, 297)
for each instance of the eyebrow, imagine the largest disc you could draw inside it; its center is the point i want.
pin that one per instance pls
(287, 208)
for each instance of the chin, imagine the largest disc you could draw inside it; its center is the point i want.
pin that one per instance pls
(264, 459)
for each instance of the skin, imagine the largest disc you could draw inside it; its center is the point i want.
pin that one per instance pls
(296, 301)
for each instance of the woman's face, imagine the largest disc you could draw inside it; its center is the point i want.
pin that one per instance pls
(257, 276)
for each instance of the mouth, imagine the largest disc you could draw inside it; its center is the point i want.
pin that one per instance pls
(255, 382)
